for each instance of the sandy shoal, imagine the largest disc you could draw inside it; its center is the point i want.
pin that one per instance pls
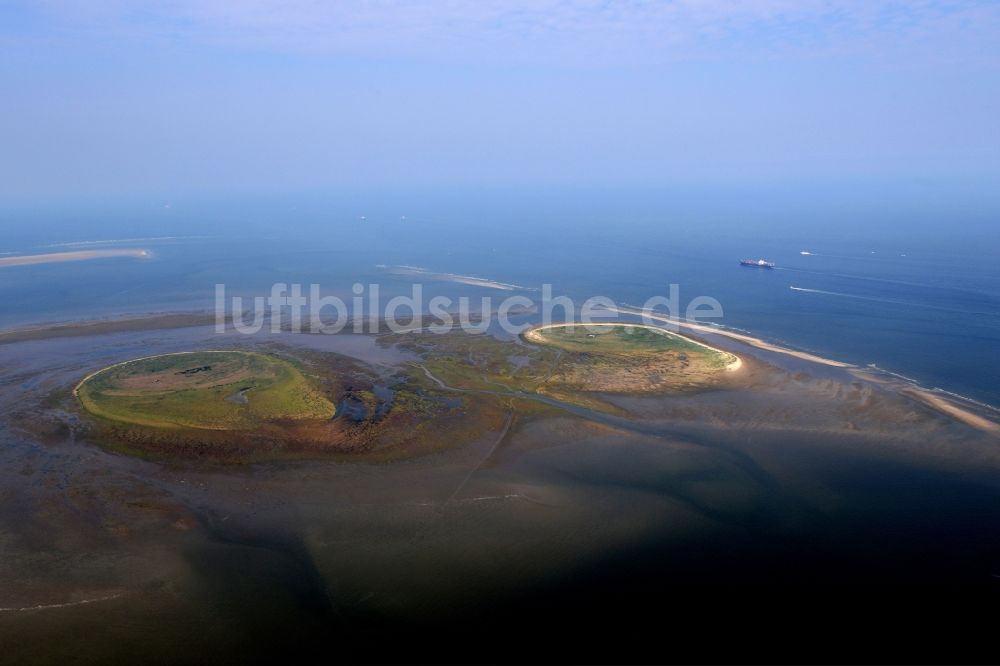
(76, 255)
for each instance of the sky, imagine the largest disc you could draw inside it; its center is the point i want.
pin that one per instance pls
(110, 99)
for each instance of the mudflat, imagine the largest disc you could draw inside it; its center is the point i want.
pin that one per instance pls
(461, 483)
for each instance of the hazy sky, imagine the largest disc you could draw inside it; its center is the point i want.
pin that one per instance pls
(111, 98)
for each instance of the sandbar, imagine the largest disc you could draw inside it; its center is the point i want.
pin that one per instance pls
(747, 339)
(76, 255)
(946, 406)
(415, 271)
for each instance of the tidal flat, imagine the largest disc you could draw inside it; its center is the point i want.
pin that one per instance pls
(522, 512)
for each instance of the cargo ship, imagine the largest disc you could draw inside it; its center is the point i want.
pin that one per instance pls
(757, 263)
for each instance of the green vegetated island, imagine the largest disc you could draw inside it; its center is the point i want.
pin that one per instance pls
(615, 358)
(225, 390)
(217, 405)
(245, 406)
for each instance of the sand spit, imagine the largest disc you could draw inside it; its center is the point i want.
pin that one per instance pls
(929, 398)
(746, 339)
(949, 408)
(76, 255)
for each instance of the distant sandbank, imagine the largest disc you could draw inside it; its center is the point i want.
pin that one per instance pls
(144, 322)
(76, 255)
(416, 271)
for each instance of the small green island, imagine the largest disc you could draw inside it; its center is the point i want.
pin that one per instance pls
(630, 358)
(249, 406)
(223, 390)
(227, 406)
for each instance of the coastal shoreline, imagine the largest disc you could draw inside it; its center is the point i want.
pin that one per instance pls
(948, 406)
(740, 337)
(955, 407)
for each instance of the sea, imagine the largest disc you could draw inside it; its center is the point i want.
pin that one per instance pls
(912, 291)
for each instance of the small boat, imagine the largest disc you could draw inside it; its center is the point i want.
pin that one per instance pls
(757, 263)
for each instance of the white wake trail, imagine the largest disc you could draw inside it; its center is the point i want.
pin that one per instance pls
(892, 301)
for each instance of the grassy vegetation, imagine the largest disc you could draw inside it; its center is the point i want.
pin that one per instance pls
(243, 407)
(229, 390)
(622, 339)
(575, 366)
(477, 362)
(190, 407)
(628, 359)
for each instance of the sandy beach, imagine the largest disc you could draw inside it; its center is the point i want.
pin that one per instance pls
(946, 406)
(747, 339)
(76, 255)
(925, 396)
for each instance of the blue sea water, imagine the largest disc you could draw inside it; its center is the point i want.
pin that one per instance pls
(920, 299)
